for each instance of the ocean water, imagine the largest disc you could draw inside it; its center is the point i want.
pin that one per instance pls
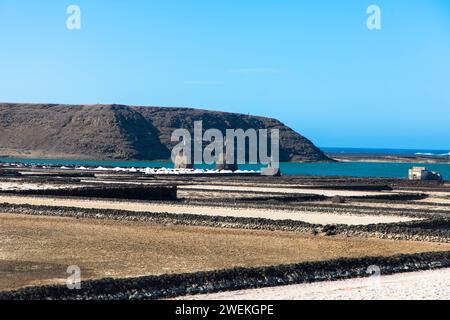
(349, 169)
(361, 169)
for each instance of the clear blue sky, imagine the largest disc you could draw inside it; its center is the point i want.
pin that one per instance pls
(314, 66)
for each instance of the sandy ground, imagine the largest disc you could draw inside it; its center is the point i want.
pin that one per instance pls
(310, 217)
(328, 193)
(11, 185)
(424, 206)
(426, 285)
(436, 200)
(38, 250)
(439, 197)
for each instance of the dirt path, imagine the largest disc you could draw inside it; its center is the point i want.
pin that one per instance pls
(427, 285)
(328, 193)
(38, 250)
(310, 217)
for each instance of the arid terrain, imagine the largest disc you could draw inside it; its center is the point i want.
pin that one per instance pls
(425, 285)
(38, 250)
(217, 235)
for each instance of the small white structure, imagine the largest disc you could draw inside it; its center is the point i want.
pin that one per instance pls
(182, 160)
(271, 171)
(418, 173)
(222, 163)
(421, 173)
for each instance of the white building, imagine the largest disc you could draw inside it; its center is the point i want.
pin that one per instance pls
(421, 173)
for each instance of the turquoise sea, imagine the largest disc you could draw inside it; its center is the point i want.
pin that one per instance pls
(351, 169)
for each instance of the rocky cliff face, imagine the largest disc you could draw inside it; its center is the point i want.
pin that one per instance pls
(123, 132)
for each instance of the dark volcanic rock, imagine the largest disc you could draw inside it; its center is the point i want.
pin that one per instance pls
(107, 192)
(124, 132)
(176, 285)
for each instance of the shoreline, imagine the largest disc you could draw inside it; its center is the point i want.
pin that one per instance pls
(375, 158)
(238, 233)
(336, 158)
